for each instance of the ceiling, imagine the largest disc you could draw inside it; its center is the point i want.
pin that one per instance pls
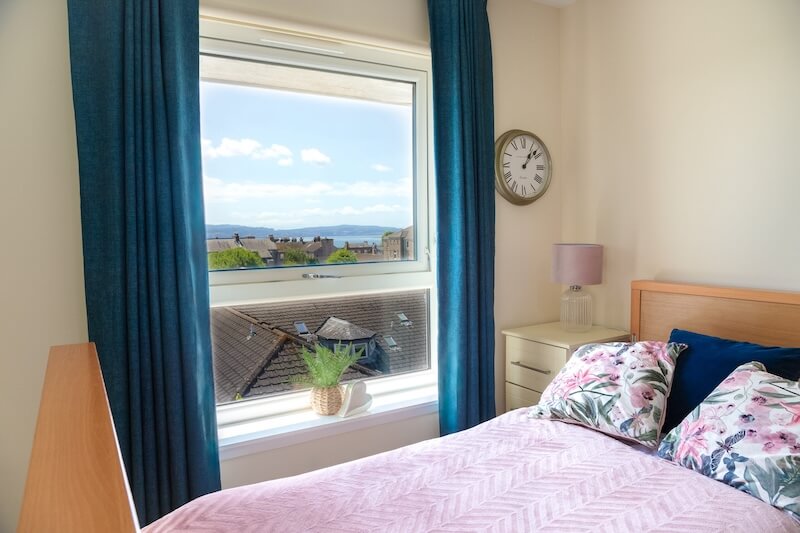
(555, 3)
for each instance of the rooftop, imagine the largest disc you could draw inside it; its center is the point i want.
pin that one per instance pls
(266, 362)
(342, 330)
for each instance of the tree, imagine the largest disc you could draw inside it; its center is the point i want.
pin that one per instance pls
(342, 256)
(234, 258)
(295, 256)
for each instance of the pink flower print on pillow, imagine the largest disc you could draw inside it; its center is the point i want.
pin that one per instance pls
(642, 395)
(746, 434)
(617, 388)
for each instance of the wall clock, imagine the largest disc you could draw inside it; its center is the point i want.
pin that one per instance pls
(522, 166)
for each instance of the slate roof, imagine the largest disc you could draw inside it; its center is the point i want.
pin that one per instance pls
(405, 233)
(376, 312)
(237, 361)
(263, 247)
(342, 330)
(265, 363)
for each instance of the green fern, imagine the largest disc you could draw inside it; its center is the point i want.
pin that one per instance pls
(326, 366)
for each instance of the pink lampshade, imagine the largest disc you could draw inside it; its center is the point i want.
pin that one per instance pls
(578, 264)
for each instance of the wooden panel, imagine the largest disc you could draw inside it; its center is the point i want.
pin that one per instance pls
(546, 359)
(764, 317)
(76, 479)
(517, 397)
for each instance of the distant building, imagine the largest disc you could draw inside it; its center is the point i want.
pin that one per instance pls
(365, 251)
(272, 250)
(399, 246)
(337, 331)
(265, 248)
(318, 249)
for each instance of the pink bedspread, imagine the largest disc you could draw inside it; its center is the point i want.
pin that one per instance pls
(509, 474)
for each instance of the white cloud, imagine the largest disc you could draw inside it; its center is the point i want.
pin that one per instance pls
(267, 218)
(230, 147)
(216, 190)
(353, 211)
(403, 187)
(314, 156)
(381, 168)
(246, 148)
(276, 151)
(219, 191)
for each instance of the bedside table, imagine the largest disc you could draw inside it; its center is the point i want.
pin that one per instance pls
(535, 354)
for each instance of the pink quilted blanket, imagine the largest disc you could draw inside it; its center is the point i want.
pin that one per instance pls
(509, 474)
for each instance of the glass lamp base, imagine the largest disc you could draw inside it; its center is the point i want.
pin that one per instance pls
(576, 309)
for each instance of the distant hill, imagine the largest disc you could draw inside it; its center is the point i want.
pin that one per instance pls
(226, 231)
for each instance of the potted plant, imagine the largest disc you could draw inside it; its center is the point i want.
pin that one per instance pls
(325, 369)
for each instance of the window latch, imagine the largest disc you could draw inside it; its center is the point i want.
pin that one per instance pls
(314, 275)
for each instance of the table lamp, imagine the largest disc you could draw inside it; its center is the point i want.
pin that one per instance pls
(577, 265)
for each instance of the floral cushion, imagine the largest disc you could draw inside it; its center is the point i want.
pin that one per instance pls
(618, 388)
(746, 433)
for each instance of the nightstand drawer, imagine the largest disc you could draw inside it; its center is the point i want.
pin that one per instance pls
(517, 397)
(532, 365)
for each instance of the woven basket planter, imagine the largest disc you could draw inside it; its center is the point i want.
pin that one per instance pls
(326, 401)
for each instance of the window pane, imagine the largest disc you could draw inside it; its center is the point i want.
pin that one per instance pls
(257, 347)
(305, 166)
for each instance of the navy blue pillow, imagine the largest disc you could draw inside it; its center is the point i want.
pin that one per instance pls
(709, 360)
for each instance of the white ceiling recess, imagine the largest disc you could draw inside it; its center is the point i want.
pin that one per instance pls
(555, 3)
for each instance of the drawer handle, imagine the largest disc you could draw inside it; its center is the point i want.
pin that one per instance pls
(539, 370)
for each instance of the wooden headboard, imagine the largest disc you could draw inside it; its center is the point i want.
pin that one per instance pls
(771, 318)
(76, 478)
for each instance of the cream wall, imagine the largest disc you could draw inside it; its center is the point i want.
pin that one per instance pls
(681, 123)
(327, 451)
(527, 95)
(41, 271)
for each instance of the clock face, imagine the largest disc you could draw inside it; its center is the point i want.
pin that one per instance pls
(522, 166)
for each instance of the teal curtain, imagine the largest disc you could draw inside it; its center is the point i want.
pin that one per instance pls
(463, 122)
(135, 82)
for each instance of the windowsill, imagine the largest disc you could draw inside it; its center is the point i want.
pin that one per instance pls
(392, 400)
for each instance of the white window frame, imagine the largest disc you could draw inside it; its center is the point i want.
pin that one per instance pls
(276, 420)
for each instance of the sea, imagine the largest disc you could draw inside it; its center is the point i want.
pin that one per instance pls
(339, 240)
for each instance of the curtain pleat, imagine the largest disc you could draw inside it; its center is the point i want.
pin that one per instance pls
(135, 76)
(463, 149)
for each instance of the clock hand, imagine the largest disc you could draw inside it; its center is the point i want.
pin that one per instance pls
(528, 159)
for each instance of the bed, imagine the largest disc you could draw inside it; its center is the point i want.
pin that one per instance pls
(509, 474)
(515, 473)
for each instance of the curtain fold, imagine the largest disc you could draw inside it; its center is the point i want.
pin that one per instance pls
(464, 150)
(135, 82)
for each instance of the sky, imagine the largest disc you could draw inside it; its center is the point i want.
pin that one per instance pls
(284, 159)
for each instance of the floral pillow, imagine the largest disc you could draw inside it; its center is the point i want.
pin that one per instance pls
(617, 388)
(746, 433)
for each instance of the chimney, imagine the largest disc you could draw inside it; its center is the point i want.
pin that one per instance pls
(271, 237)
(236, 239)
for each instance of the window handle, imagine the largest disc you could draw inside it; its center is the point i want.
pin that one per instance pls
(539, 370)
(314, 275)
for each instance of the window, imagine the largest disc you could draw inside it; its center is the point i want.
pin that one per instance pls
(315, 163)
